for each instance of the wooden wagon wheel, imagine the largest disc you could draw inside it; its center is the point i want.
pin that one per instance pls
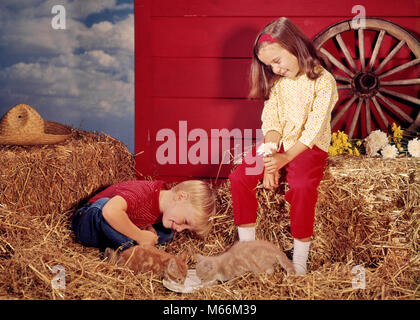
(376, 65)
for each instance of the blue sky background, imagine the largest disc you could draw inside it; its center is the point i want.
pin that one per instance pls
(82, 76)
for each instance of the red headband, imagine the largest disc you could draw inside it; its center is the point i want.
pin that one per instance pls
(266, 37)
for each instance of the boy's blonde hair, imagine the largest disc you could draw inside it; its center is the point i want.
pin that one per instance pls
(203, 199)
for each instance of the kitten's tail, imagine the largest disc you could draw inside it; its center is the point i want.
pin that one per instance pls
(286, 263)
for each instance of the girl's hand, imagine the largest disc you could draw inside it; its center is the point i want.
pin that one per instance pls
(271, 181)
(275, 162)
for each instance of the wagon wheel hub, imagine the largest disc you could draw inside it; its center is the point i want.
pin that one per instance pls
(365, 84)
(362, 64)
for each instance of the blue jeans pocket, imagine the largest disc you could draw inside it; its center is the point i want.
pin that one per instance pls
(92, 230)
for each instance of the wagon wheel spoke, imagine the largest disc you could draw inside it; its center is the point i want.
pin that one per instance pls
(380, 112)
(361, 35)
(399, 68)
(394, 108)
(413, 123)
(355, 118)
(376, 50)
(401, 95)
(414, 126)
(368, 116)
(342, 111)
(407, 82)
(341, 78)
(345, 51)
(337, 63)
(344, 86)
(390, 56)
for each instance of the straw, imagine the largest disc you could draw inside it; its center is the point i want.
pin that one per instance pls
(367, 217)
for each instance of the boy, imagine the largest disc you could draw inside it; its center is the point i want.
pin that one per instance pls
(128, 212)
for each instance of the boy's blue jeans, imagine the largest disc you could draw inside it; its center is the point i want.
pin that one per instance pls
(92, 230)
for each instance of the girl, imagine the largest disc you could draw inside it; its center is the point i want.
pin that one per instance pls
(300, 94)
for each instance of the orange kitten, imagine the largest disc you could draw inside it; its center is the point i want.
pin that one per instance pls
(148, 258)
(254, 256)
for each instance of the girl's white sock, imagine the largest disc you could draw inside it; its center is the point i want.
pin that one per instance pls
(300, 255)
(246, 234)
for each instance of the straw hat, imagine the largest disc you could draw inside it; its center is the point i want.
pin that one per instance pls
(22, 125)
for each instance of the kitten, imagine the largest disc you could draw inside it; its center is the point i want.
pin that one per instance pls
(148, 258)
(254, 256)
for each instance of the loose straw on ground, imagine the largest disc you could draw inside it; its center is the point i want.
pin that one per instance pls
(367, 215)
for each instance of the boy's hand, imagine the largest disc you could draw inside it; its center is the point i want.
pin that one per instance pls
(150, 228)
(114, 212)
(147, 238)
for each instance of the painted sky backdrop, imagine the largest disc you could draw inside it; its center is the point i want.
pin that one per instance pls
(82, 76)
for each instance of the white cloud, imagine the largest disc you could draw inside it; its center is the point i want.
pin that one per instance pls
(103, 59)
(81, 9)
(102, 27)
(110, 36)
(76, 9)
(86, 69)
(35, 37)
(80, 89)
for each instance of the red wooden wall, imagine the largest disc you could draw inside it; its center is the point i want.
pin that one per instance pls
(191, 64)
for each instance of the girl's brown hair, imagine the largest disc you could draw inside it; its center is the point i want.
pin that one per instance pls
(291, 38)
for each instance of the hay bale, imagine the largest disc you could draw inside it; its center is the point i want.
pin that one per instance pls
(366, 207)
(54, 179)
(41, 185)
(368, 214)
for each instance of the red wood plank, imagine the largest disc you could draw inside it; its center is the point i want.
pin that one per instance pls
(218, 37)
(201, 77)
(205, 114)
(231, 37)
(290, 8)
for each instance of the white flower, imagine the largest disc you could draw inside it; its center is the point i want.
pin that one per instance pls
(414, 147)
(267, 149)
(389, 151)
(375, 142)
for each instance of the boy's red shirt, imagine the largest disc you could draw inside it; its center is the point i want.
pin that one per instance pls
(142, 199)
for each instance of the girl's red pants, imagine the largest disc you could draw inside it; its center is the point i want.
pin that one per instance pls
(303, 174)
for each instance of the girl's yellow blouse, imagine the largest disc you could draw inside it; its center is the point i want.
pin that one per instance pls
(300, 110)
